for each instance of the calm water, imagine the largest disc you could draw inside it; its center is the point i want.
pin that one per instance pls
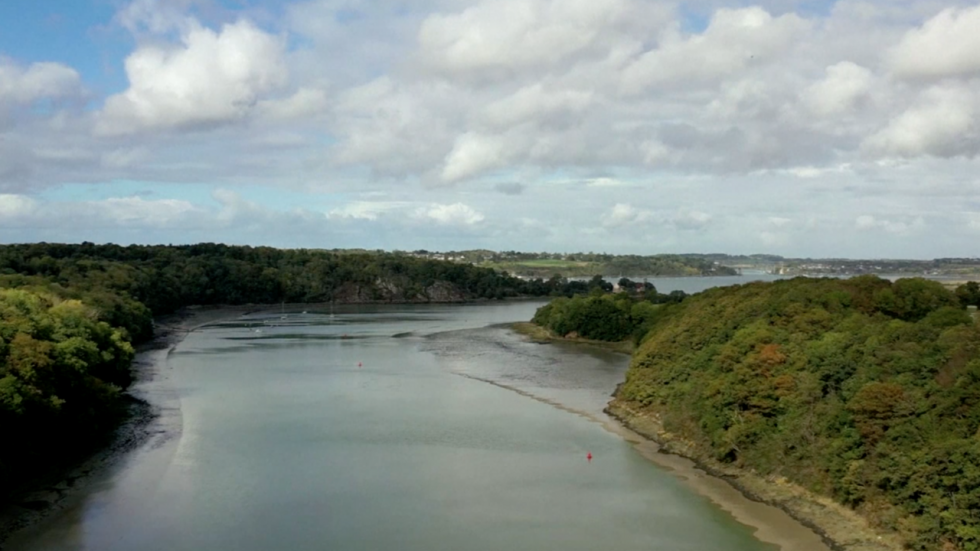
(403, 428)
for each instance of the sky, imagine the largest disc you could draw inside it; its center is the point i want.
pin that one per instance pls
(806, 128)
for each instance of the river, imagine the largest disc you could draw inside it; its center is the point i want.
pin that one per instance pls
(403, 427)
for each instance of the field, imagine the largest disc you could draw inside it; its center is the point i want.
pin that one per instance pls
(547, 267)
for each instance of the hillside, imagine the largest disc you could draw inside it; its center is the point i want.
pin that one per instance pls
(862, 390)
(589, 264)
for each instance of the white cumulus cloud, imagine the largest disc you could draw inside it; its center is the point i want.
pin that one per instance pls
(472, 154)
(19, 85)
(686, 219)
(456, 214)
(211, 78)
(947, 45)
(366, 210)
(624, 214)
(733, 40)
(15, 207)
(868, 222)
(845, 85)
(142, 212)
(941, 123)
(497, 38)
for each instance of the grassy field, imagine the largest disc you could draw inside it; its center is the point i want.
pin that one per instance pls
(552, 263)
(546, 263)
(546, 268)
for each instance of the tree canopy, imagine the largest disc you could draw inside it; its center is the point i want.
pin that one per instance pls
(861, 389)
(61, 373)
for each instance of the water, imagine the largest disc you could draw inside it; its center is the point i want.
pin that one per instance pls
(691, 285)
(409, 428)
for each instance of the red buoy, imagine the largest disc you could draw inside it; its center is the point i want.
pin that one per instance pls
(358, 364)
(589, 457)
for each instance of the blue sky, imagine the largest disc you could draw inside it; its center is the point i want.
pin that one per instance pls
(802, 128)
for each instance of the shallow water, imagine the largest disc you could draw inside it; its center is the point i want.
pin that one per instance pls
(416, 427)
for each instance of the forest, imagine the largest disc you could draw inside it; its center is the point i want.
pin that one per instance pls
(861, 389)
(605, 316)
(70, 315)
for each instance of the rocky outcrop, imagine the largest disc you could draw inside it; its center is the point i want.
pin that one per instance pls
(442, 291)
(384, 291)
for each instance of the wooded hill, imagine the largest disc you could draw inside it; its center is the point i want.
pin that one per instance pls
(860, 389)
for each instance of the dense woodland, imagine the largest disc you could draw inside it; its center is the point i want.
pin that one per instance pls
(860, 389)
(69, 315)
(601, 315)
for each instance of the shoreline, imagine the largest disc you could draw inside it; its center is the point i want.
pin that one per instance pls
(53, 491)
(732, 491)
(838, 528)
(779, 512)
(540, 335)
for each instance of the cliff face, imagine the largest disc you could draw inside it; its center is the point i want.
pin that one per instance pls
(442, 291)
(385, 291)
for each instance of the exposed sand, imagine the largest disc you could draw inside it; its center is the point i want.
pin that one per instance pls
(771, 524)
(152, 414)
(781, 513)
(772, 506)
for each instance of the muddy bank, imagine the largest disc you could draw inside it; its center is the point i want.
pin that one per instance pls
(770, 523)
(541, 335)
(782, 513)
(50, 490)
(838, 527)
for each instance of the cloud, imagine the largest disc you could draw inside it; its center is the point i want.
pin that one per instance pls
(606, 182)
(734, 40)
(495, 39)
(456, 214)
(124, 157)
(535, 102)
(366, 210)
(511, 188)
(947, 45)
(117, 212)
(306, 102)
(154, 16)
(844, 87)
(609, 113)
(127, 211)
(472, 154)
(941, 123)
(13, 208)
(866, 222)
(623, 214)
(394, 128)
(773, 239)
(211, 78)
(691, 219)
(23, 85)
